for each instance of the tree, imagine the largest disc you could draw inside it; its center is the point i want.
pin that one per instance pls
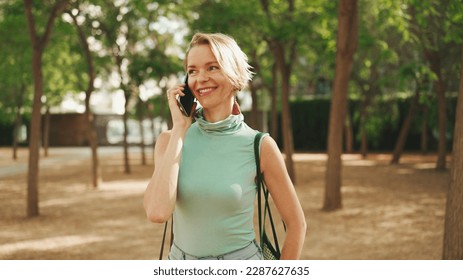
(419, 74)
(428, 23)
(346, 47)
(453, 231)
(38, 43)
(129, 39)
(59, 60)
(16, 79)
(91, 75)
(283, 45)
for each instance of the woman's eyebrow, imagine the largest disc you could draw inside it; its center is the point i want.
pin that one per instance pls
(207, 63)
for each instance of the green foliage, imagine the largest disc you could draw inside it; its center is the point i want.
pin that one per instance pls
(151, 37)
(63, 64)
(454, 24)
(15, 57)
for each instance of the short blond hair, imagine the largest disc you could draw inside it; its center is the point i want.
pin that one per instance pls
(229, 55)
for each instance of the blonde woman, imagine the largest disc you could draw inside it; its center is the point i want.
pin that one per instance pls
(204, 171)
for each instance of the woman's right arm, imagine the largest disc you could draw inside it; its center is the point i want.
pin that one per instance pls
(161, 192)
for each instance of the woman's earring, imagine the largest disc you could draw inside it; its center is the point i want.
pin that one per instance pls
(236, 108)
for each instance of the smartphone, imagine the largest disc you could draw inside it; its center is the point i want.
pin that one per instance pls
(186, 102)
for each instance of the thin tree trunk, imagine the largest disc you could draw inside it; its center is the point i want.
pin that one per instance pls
(349, 134)
(17, 126)
(253, 88)
(142, 142)
(149, 107)
(439, 88)
(402, 138)
(38, 45)
(46, 132)
(424, 131)
(18, 119)
(284, 69)
(89, 116)
(125, 118)
(453, 229)
(34, 138)
(93, 142)
(346, 46)
(254, 122)
(363, 132)
(363, 141)
(142, 131)
(273, 111)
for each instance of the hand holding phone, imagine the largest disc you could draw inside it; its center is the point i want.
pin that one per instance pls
(187, 101)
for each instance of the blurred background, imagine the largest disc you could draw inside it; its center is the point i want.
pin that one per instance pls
(78, 74)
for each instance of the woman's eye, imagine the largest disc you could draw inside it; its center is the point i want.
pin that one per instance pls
(191, 72)
(211, 68)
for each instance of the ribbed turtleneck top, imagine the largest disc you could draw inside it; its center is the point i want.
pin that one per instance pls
(216, 189)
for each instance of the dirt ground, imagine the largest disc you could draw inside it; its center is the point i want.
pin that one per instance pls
(389, 212)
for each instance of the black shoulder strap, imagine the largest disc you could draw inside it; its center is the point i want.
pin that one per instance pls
(259, 179)
(262, 189)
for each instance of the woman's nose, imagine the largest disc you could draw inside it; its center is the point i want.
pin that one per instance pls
(203, 76)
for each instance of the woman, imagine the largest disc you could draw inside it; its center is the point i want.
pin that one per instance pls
(204, 172)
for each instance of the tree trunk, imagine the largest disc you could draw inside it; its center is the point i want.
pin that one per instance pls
(400, 143)
(46, 132)
(274, 111)
(439, 88)
(346, 46)
(363, 132)
(89, 117)
(125, 116)
(287, 132)
(18, 119)
(149, 109)
(126, 134)
(453, 230)
(38, 45)
(368, 94)
(424, 130)
(17, 126)
(254, 118)
(253, 87)
(34, 139)
(363, 140)
(349, 133)
(142, 131)
(93, 143)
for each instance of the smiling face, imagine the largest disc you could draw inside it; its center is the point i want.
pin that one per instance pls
(208, 81)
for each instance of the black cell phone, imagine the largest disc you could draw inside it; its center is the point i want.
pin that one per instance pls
(186, 102)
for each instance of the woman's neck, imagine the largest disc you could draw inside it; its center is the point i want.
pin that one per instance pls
(217, 114)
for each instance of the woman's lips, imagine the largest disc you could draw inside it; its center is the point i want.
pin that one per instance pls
(205, 91)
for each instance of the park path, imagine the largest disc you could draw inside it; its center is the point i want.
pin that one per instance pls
(10, 167)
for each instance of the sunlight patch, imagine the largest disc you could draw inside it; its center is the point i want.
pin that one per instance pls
(52, 243)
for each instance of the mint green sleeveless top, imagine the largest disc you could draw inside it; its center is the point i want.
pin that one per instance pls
(216, 189)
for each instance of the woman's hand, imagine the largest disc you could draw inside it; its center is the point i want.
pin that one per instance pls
(179, 120)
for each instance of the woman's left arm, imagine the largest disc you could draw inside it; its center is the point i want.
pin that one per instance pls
(284, 195)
